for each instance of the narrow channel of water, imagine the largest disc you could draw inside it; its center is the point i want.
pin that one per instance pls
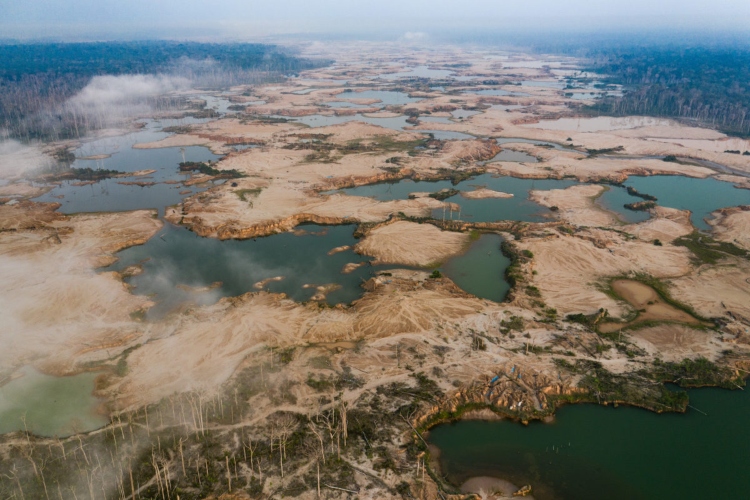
(594, 452)
(50, 406)
(481, 269)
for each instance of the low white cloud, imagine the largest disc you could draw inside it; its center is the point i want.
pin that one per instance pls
(107, 100)
(17, 158)
(125, 89)
(415, 36)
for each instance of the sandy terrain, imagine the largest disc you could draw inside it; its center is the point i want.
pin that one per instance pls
(62, 314)
(483, 193)
(665, 224)
(57, 308)
(411, 244)
(576, 205)
(569, 267)
(672, 342)
(715, 291)
(733, 226)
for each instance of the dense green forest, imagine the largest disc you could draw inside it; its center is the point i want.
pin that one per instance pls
(37, 79)
(707, 84)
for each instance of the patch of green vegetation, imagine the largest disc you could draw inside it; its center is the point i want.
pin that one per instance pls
(178, 129)
(457, 176)
(444, 194)
(87, 174)
(634, 192)
(436, 274)
(321, 384)
(243, 193)
(474, 235)
(384, 144)
(514, 323)
(207, 169)
(596, 152)
(285, 356)
(640, 206)
(699, 372)
(533, 291)
(602, 386)
(269, 119)
(514, 273)
(707, 250)
(321, 363)
(588, 320)
(324, 156)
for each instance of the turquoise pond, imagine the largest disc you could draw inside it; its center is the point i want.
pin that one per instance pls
(50, 406)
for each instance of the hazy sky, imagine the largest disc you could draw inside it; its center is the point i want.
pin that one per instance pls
(31, 18)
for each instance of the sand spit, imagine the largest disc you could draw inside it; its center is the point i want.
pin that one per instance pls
(483, 193)
(576, 205)
(411, 244)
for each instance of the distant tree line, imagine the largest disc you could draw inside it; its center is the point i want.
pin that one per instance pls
(37, 79)
(707, 84)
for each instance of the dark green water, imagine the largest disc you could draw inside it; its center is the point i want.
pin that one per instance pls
(613, 453)
(481, 269)
(177, 256)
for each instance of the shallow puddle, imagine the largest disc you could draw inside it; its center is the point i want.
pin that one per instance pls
(648, 303)
(50, 406)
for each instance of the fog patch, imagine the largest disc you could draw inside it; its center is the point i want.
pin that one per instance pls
(17, 158)
(414, 37)
(109, 99)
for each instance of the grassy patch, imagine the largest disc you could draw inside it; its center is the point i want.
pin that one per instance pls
(207, 169)
(706, 250)
(698, 372)
(602, 386)
(244, 193)
(444, 194)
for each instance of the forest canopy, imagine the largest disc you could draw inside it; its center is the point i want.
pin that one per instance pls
(707, 84)
(37, 79)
